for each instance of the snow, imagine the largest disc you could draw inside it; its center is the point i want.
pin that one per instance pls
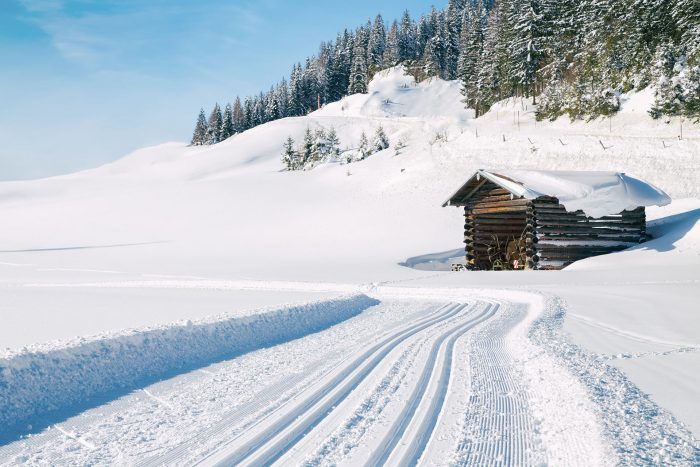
(45, 377)
(171, 234)
(595, 193)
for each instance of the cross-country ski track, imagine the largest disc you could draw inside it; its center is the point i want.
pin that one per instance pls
(415, 380)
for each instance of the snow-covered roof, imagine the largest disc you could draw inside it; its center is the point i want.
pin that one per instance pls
(595, 193)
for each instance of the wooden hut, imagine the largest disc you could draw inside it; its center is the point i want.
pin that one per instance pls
(518, 219)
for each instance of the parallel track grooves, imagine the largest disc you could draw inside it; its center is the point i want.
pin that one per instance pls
(382, 454)
(313, 408)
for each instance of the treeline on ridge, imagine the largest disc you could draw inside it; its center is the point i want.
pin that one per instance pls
(571, 57)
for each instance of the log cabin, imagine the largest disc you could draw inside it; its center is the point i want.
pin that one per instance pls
(528, 219)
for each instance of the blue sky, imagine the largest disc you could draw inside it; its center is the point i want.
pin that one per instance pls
(83, 82)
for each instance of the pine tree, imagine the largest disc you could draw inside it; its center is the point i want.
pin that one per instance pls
(258, 110)
(381, 140)
(248, 114)
(200, 130)
(407, 45)
(214, 125)
(319, 150)
(358, 77)
(492, 78)
(391, 53)
(470, 59)
(289, 155)
(333, 143)
(528, 45)
(295, 106)
(272, 111)
(237, 117)
(363, 149)
(282, 96)
(227, 125)
(306, 153)
(686, 15)
(453, 29)
(377, 46)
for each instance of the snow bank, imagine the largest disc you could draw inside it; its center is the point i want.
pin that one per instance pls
(34, 382)
(393, 93)
(596, 193)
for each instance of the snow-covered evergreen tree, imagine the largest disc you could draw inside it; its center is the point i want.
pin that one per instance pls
(391, 53)
(380, 141)
(453, 29)
(290, 157)
(237, 116)
(272, 111)
(686, 14)
(358, 76)
(200, 130)
(407, 44)
(319, 151)
(528, 44)
(306, 152)
(295, 105)
(214, 125)
(333, 143)
(470, 59)
(376, 45)
(363, 149)
(227, 124)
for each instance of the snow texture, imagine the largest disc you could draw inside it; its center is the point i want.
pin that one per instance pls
(642, 433)
(595, 193)
(33, 382)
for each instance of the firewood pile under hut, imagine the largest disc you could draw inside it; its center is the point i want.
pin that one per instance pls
(535, 219)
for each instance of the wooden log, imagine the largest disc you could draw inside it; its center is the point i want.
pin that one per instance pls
(553, 214)
(499, 222)
(522, 208)
(574, 230)
(588, 222)
(490, 198)
(488, 203)
(574, 256)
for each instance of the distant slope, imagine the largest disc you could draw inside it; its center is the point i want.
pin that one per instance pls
(228, 209)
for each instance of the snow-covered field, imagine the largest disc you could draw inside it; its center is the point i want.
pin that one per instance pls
(187, 305)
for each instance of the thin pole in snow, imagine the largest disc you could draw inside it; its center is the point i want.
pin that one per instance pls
(681, 136)
(518, 120)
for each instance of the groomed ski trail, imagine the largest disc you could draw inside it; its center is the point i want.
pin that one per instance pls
(271, 438)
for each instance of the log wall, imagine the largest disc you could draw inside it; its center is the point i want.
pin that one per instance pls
(562, 237)
(492, 213)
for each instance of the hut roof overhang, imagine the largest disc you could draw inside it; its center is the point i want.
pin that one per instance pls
(595, 193)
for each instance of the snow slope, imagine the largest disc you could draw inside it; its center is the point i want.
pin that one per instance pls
(181, 233)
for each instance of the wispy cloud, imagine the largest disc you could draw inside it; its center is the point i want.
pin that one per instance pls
(104, 33)
(42, 6)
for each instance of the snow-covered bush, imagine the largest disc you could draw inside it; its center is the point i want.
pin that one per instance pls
(317, 147)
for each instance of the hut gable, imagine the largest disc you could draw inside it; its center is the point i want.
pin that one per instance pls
(547, 220)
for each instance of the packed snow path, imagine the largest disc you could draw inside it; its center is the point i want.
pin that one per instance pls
(407, 382)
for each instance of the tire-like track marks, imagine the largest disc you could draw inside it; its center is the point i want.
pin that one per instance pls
(425, 426)
(498, 427)
(290, 424)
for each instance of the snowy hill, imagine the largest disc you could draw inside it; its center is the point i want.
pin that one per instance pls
(147, 240)
(222, 209)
